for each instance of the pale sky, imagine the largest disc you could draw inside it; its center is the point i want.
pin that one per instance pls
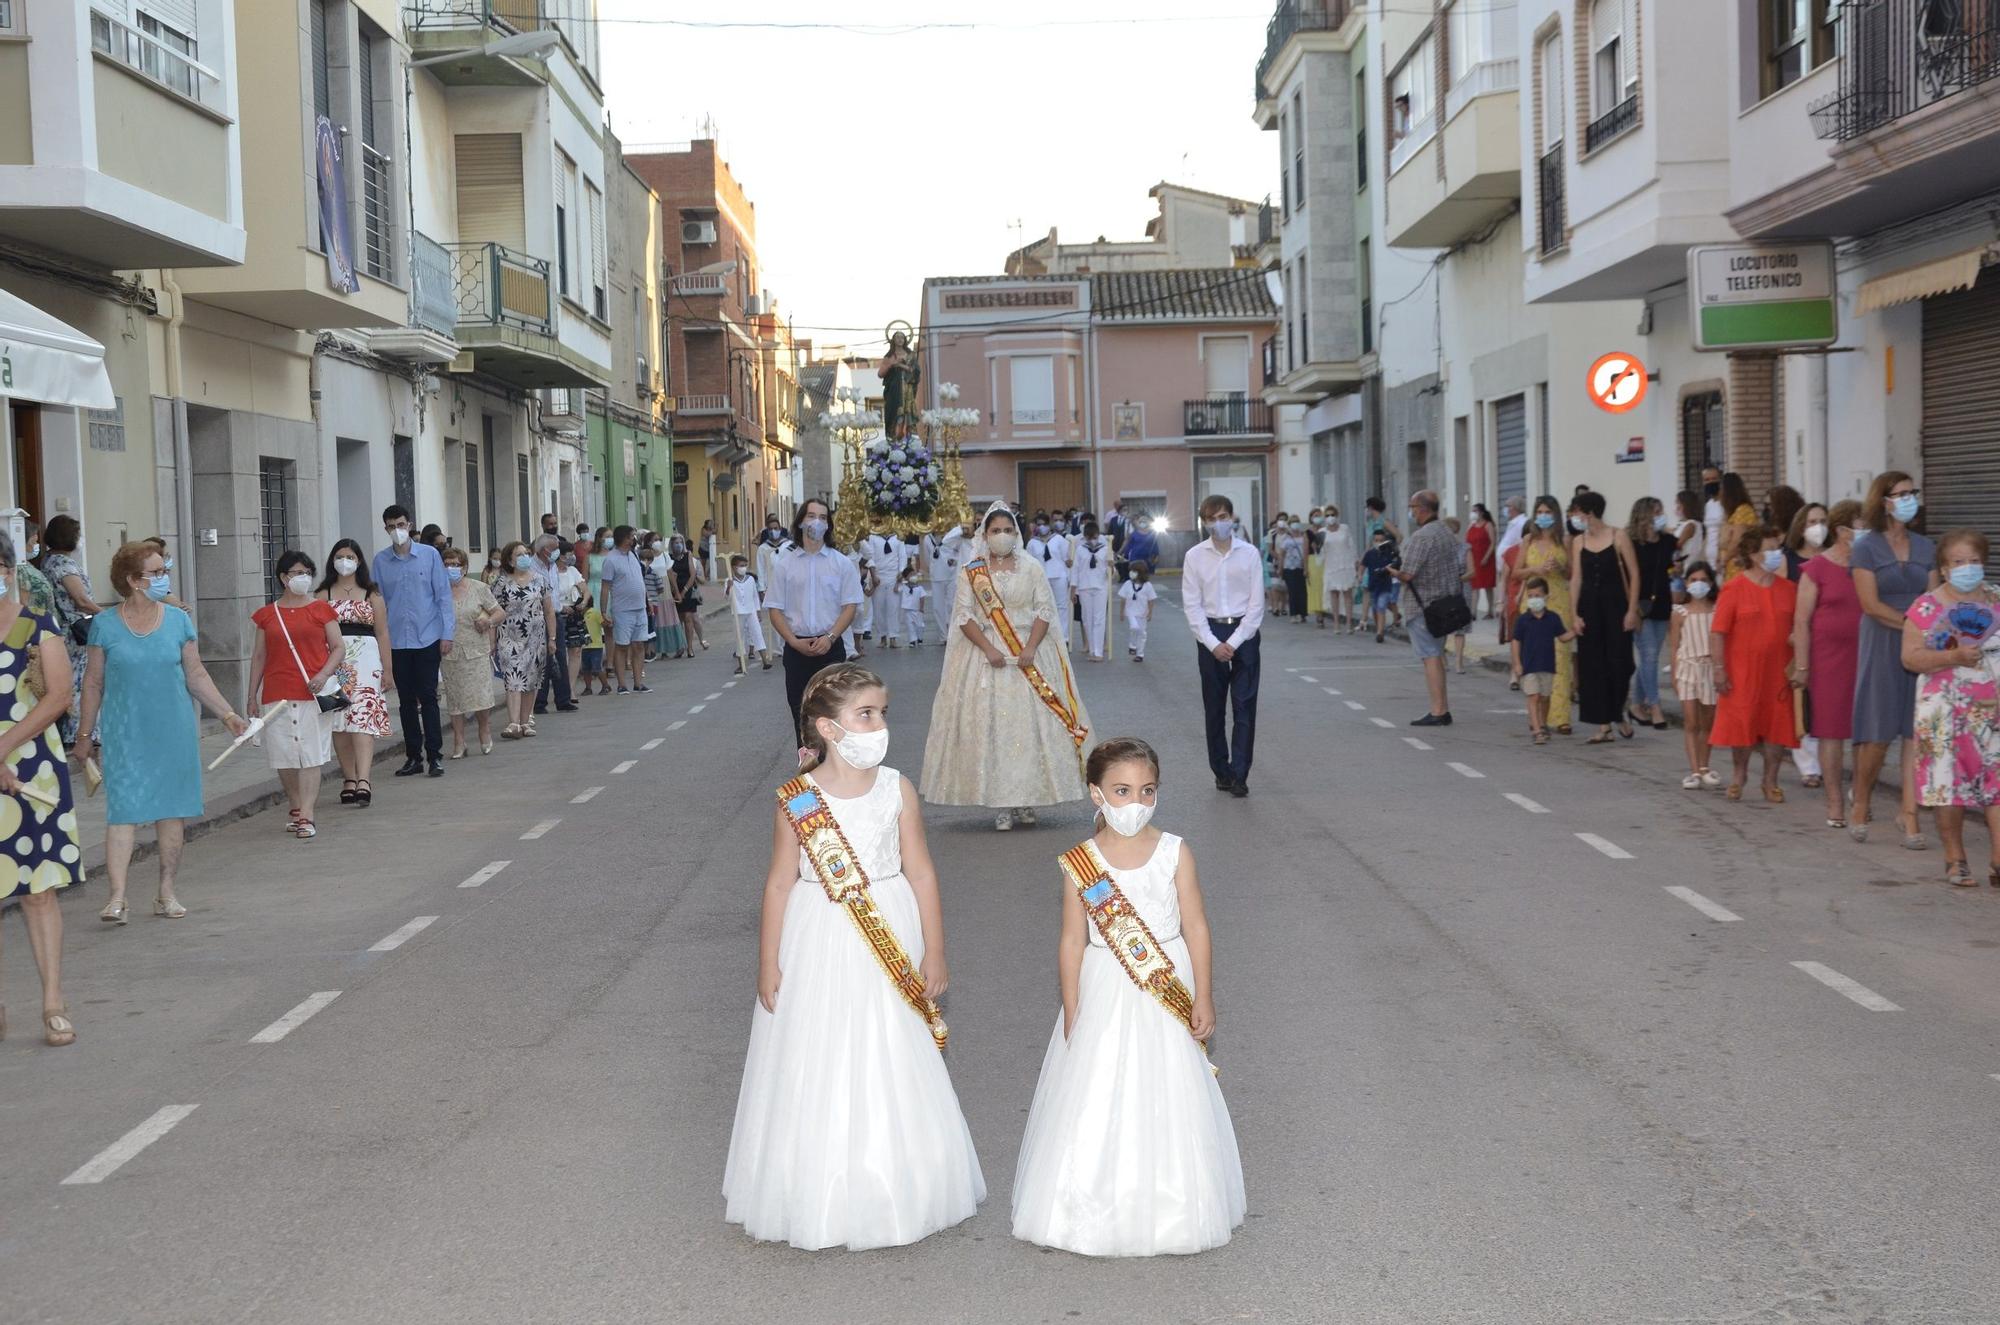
(1042, 115)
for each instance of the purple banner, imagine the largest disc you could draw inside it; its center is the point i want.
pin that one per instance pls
(335, 236)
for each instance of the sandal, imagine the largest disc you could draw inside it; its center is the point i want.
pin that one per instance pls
(364, 792)
(1959, 874)
(57, 1029)
(347, 791)
(306, 829)
(115, 913)
(1735, 791)
(1603, 737)
(1565, 730)
(1692, 782)
(1913, 840)
(1992, 877)
(1858, 831)
(511, 732)
(292, 820)
(1836, 823)
(1815, 782)
(1709, 779)
(1775, 795)
(168, 908)
(1626, 731)
(1541, 738)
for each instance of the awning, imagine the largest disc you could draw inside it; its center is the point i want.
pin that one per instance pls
(44, 360)
(1957, 272)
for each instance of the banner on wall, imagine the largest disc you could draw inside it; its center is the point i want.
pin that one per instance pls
(336, 237)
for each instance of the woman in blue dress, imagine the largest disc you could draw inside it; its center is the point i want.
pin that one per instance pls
(140, 668)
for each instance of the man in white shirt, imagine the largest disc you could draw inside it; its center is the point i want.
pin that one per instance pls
(942, 557)
(1222, 591)
(1516, 511)
(814, 594)
(1711, 514)
(1050, 550)
(885, 553)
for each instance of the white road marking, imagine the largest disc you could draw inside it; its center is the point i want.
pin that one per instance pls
(654, 744)
(710, 699)
(584, 795)
(1310, 680)
(1351, 704)
(1383, 722)
(539, 829)
(1291, 669)
(674, 727)
(728, 685)
(1414, 743)
(1710, 909)
(1512, 713)
(1532, 807)
(625, 766)
(405, 934)
(697, 708)
(294, 1019)
(1331, 691)
(108, 1160)
(1465, 770)
(1860, 993)
(1611, 849)
(486, 872)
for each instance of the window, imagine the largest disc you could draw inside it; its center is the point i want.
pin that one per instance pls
(9, 18)
(275, 490)
(472, 503)
(322, 72)
(1797, 36)
(1225, 362)
(1614, 74)
(1465, 38)
(521, 493)
(1550, 62)
(1291, 325)
(567, 237)
(1033, 382)
(642, 337)
(1305, 311)
(156, 64)
(1285, 161)
(378, 193)
(1365, 274)
(403, 465)
(1299, 148)
(599, 296)
(1360, 130)
(1410, 94)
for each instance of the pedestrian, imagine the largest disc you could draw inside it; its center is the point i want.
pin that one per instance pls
(1712, 514)
(1653, 548)
(1273, 572)
(883, 554)
(297, 652)
(1544, 552)
(1536, 636)
(705, 545)
(37, 594)
(871, 589)
(910, 595)
(1378, 566)
(1128, 1121)
(1751, 643)
(1952, 640)
(667, 639)
(684, 591)
(364, 637)
(1116, 528)
(39, 851)
(942, 556)
(1090, 583)
(1050, 549)
(1342, 567)
(746, 603)
(527, 632)
(1691, 660)
(1739, 513)
(1604, 571)
(491, 575)
(1799, 550)
(622, 603)
(470, 687)
(593, 651)
(1142, 547)
(1892, 565)
(1806, 536)
(1290, 555)
(1460, 636)
(1826, 636)
(411, 579)
(1688, 533)
(1479, 541)
(1138, 595)
(849, 845)
(1782, 506)
(1432, 572)
(1222, 595)
(76, 603)
(814, 595)
(572, 594)
(546, 553)
(600, 548)
(1007, 726)
(1505, 555)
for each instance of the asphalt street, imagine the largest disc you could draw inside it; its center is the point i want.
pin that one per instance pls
(1509, 1035)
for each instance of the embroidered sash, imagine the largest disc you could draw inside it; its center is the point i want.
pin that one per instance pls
(840, 873)
(1125, 932)
(980, 577)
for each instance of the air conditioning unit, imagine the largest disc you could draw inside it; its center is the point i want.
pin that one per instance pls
(697, 232)
(1198, 421)
(757, 305)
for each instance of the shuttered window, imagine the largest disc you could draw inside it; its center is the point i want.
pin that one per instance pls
(1961, 479)
(1510, 438)
(599, 303)
(321, 73)
(565, 219)
(490, 208)
(366, 62)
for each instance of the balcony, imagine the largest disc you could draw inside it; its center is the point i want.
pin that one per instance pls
(154, 59)
(378, 215)
(1411, 141)
(1482, 163)
(1551, 220)
(466, 28)
(506, 324)
(1292, 18)
(1226, 416)
(1903, 56)
(709, 405)
(431, 336)
(1611, 124)
(698, 284)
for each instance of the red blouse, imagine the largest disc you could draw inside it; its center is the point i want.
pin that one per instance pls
(307, 626)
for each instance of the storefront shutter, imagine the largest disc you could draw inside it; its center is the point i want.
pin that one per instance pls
(1961, 439)
(1510, 440)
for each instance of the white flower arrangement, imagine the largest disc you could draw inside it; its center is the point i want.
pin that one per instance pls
(899, 479)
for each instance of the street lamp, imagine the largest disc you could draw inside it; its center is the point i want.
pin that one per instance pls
(521, 45)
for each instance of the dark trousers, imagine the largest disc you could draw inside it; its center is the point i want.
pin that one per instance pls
(1235, 681)
(800, 668)
(1295, 591)
(416, 672)
(555, 671)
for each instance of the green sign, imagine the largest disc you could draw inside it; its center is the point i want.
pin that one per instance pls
(1763, 296)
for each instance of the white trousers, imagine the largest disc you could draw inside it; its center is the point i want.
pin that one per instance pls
(750, 632)
(1093, 619)
(888, 618)
(1135, 634)
(913, 624)
(1060, 590)
(943, 594)
(1806, 757)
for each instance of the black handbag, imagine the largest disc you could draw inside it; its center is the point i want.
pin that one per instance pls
(79, 629)
(1446, 616)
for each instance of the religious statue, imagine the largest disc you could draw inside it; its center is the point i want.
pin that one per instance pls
(902, 374)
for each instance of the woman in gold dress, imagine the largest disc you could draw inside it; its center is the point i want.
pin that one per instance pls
(1543, 553)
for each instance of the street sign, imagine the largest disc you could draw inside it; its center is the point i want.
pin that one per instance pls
(1617, 382)
(1763, 296)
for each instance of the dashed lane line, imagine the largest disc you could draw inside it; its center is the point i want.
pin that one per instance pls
(1611, 849)
(110, 1159)
(1357, 707)
(1331, 691)
(1713, 910)
(405, 934)
(539, 829)
(1310, 680)
(696, 709)
(653, 744)
(1465, 770)
(486, 872)
(625, 766)
(294, 1019)
(1853, 989)
(710, 699)
(1383, 722)
(1531, 806)
(728, 685)
(584, 795)
(1416, 744)
(674, 727)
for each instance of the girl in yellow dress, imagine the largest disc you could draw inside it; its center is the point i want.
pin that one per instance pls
(1543, 554)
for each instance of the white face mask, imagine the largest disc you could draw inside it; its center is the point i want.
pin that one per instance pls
(1578, 523)
(399, 536)
(863, 750)
(1002, 544)
(345, 565)
(1816, 535)
(299, 584)
(1221, 528)
(1698, 588)
(1126, 820)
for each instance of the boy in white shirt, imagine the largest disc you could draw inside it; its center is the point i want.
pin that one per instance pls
(746, 600)
(1137, 593)
(910, 595)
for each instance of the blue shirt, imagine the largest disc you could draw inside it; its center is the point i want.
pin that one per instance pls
(810, 588)
(625, 580)
(1378, 562)
(418, 595)
(1537, 636)
(1142, 546)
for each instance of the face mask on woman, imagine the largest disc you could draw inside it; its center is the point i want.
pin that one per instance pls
(454, 573)
(299, 584)
(1578, 524)
(1967, 577)
(1544, 520)
(1774, 560)
(524, 562)
(160, 587)
(1296, 526)
(863, 750)
(1698, 589)
(1816, 535)
(604, 544)
(1003, 542)
(1659, 524)
(1905, 507)
(1126, 820)
(344, 565)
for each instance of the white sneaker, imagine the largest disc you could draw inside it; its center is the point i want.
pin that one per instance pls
(1692, 782)
(1024, 816)
(1709, 779)
(1003, 821)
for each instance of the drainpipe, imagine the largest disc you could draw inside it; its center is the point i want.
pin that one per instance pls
(183, 449)
(1819, 446)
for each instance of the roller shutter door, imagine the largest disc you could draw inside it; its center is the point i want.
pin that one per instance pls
(1510, 444)
(490, 199)
(1961, 440)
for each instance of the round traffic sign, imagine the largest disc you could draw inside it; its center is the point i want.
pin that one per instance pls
(1617, 382)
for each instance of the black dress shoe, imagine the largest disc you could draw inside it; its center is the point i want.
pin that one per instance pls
(1433, 720)
(541, 709)
(1239, 789)
(437, 768)
(411, 766)
(567, 708)
(1223, 782)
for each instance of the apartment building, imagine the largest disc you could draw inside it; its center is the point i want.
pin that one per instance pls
(1192, 228)
(782, 363)
(632, 466)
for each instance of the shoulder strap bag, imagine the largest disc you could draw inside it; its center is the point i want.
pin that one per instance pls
(331, 697)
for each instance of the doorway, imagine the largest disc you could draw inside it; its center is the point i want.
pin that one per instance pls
(1701, 436)
(1053, 487)
(27, 459)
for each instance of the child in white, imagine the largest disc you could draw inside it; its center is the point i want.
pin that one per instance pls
(1090, 577)
(1129, 1150)
(910, 595)
(848, 1132)
(885, 553)
(746, 601)
(1137, 594)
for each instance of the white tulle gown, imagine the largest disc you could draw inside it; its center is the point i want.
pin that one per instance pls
(848, 1132)
(1129, 1149)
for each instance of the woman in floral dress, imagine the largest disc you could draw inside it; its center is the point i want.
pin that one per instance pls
(1951, 639)
(364, 631)
(1545, 554)
(525, 636)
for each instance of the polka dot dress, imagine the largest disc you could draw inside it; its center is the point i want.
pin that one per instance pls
(38, 846)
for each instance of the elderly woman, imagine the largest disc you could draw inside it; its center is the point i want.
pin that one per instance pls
(298, 650)
(1825, 636)
(39, 853)
(1892, 565)
(527, 633)
(141, 668)
(1750, 642)
(469, 684)
(74, 599)
(1951, 638)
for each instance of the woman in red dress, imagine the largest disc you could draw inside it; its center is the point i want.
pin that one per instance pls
(1826, 638)
(1479, 542)
(1750, 641)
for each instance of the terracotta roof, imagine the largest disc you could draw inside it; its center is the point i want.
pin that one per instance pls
(1196, 292)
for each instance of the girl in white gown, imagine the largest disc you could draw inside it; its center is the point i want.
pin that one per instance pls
(848, 1132)
(1129, 1149)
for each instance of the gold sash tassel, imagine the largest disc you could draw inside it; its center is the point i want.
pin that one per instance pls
(846, 883)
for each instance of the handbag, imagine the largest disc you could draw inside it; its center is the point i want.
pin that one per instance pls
(79, 629)
(1446, 616)
(331, 698)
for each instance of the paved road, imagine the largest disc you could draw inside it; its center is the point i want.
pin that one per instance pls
(1483, 1067)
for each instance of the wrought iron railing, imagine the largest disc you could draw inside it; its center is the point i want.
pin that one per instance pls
(1550, 213)
(154, 59)
(1291, 18)
(378, 214)
(495, 286)
(510, 15)
(1899, 56)
(1267, 223)
(433, 304)
(1225, 416)
(1270, 360)
(1611, 123)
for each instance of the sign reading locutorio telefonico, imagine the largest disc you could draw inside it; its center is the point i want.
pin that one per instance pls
(1055, 296)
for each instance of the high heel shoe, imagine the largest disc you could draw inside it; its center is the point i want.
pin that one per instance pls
(459, 753)
(168, 908)
(486, 747)
(115, 913)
